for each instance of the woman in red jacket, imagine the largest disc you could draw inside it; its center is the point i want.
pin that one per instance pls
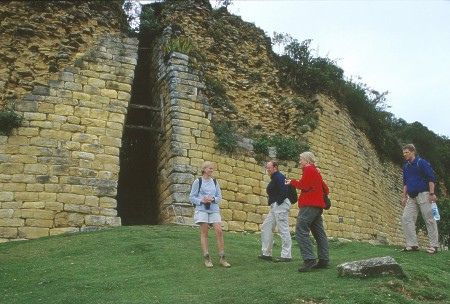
(309, 218)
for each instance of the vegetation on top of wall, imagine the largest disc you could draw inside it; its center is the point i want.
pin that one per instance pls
(307, 74)
(287, 148)
(226, 136)
(182, 45)
(9, 119)
(306, 112)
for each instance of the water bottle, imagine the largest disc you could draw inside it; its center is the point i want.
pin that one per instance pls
(435, 210)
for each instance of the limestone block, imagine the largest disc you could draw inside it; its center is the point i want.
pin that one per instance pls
(116, 117)
(54, 206)
(244, 189)
(39, 223)
(113, 221)
(227, 176)
(241, 172)
(239, 215)
(29, 116)
(35, 169)
(225, 226)
(235, 205)
(6, 213)
(236, 226)
(28, 131)
(254, 218)
(6, 196)
(228, 195)
(108, 93)
(37, 214)
(12, 222)
(16, 186)
(95, 220)
(241, 197)
(11, 168)
(33, 205)
(108, 212)
(54, 134)
(249, 226)
(25, 196)
(32, 232)
(248, 208)
(8, 232)
(253, 199)
(69, 198)
(263, 209)
(226, 214)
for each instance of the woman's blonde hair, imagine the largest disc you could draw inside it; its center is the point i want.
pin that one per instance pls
(309, 157)
(205, 165)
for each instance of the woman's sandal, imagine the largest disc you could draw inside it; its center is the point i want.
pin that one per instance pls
(410, 249)
(432, 250)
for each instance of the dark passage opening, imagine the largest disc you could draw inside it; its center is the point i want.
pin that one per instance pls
(137, 195)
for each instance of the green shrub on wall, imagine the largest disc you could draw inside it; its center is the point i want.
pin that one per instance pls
(226, 136)
(9, 119)
(287, 148)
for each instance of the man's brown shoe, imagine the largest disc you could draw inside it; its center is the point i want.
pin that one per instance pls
(307, 265)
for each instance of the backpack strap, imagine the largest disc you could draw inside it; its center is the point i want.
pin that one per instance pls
(200, 183)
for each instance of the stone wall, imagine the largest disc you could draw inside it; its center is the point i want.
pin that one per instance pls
(365, 192)
(40, 38)
(59, 170)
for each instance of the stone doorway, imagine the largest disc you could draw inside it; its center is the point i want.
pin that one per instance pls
(137, 192)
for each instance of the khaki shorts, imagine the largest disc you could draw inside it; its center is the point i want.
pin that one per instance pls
(205, 217)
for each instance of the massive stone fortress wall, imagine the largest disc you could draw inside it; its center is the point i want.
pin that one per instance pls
(59, 170)
(365, 192)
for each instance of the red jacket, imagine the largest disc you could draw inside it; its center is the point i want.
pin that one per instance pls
(311, 188)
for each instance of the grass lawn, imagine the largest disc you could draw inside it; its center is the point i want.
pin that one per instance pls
(164, 264)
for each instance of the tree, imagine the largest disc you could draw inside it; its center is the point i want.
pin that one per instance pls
(224, 3)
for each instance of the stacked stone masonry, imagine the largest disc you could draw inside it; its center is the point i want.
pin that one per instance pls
(365, 192)
(59, 171)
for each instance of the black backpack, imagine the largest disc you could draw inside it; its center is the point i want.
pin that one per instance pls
(292, 194)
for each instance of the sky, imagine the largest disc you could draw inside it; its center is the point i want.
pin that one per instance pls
(400, 46)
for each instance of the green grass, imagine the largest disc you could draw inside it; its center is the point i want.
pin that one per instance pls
(163, 264)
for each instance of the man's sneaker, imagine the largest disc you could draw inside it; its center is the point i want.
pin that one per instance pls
(265, 257)
(224, 262)
(208, 262)
(322, 264)
(307, 265)
(280, 260)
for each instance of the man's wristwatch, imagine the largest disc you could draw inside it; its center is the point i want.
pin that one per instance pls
(431, 193)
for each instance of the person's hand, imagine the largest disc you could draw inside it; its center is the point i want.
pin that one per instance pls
(207, 200)
(287, 182)
(404, 201)
(432, 198)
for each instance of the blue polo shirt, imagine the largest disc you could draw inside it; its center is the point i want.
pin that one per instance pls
(417, 175)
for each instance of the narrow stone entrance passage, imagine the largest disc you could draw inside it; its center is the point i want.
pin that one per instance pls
(137, 196)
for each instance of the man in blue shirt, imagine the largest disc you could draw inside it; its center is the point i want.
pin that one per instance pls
(418, 194)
